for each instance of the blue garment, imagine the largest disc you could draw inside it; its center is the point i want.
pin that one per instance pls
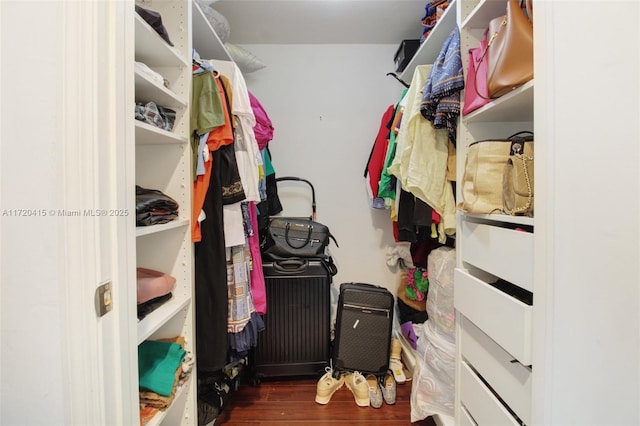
(200, 170)
(441, 93)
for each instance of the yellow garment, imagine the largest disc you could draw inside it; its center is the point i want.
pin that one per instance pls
(421, 157)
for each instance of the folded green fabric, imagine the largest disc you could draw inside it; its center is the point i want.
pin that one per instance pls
(157, 365)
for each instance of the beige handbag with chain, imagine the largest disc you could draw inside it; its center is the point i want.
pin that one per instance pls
(483, 182)
(517, 180)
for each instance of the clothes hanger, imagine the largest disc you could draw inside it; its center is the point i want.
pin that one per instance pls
(404, 83)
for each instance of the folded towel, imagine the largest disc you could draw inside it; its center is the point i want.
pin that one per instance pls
(157, 365)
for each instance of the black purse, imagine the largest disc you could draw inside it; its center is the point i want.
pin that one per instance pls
(296, 237)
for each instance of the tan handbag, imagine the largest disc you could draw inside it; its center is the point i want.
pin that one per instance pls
(510, 50)
(517, 183)
(482, 180)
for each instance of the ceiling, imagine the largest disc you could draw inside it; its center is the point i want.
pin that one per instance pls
(322, 21)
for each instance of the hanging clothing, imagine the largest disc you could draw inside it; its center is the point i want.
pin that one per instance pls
(264, 127)
(420, 163)
(248, 159)
(215, 138)
(441, 93)
(211, 307)
(387, 185)
(258, 287)
(375, 164)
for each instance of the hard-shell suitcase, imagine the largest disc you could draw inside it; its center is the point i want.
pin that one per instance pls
(363, 328)
(296, 338)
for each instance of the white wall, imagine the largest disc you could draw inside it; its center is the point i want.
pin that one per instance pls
(326, 103)
(31, 384)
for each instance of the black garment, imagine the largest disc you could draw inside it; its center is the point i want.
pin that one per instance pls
(232, 190)
(414, 218)
(154, 19)
(408, 314)
(211, 305)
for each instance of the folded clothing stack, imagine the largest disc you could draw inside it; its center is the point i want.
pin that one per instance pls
(433, 12)
(154, 207)
(155, 115)
(164, 366)
(153, 290)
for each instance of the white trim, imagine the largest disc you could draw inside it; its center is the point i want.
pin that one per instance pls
(543, 276)
(79, 266)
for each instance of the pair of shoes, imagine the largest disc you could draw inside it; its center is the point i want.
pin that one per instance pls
(327, 386)
(375, 394)
(359, 387)
(388, 387)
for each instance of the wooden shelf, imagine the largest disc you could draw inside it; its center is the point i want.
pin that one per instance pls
(205, 40)
(153, 229)
(152, 50)
(485, 11)
(158, 318)
(512, 107)
(148, 91)
(146, 134)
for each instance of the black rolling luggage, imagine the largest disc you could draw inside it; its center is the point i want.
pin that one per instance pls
(363, 328)
(296, 339)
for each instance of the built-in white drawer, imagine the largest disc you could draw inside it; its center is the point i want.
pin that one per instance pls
(465, 418)
(503, 318)
(510, 380)
(503, 252)
(482, 405)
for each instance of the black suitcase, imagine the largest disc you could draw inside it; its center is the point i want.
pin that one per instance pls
(363, 328)
(296, 339)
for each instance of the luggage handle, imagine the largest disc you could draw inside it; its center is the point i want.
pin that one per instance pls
(291, 266)
(313, 191)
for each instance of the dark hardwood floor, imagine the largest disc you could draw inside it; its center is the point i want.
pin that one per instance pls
(292, 402)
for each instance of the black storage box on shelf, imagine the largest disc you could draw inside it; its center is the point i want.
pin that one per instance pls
(405, 52)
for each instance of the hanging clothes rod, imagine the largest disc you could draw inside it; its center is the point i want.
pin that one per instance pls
(404, 83)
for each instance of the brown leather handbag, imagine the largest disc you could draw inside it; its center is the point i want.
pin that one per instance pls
(510, 50)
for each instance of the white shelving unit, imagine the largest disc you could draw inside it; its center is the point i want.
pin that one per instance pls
(494, 329)
(430, 48)
(163, 162)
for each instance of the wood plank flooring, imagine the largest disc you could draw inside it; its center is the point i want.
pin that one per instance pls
(292, 402)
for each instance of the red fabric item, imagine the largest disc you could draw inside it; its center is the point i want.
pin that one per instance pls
(435, 217)
(379, 152)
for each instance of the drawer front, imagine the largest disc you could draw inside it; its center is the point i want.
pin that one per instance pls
(503, 252)
(512, 381)
(502, 317)
(482, 405)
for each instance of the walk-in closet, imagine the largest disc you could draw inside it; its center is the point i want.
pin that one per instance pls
(132, 287)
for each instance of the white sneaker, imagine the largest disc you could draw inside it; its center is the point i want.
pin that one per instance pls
(358, 386)
(327, 386)
(395, 365)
